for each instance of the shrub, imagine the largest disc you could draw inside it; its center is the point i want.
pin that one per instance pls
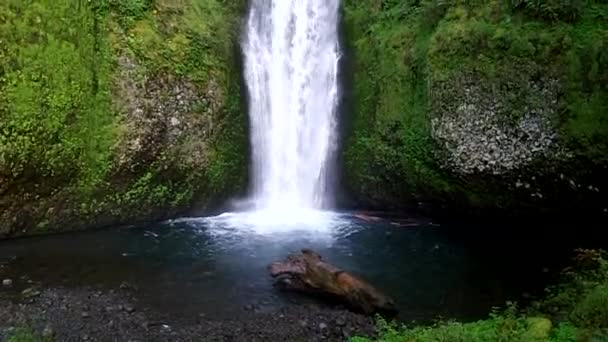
(551, 10)
(579, 307)
(592, 311)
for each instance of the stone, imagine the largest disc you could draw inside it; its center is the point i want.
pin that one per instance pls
(340, 321)
(129, 308)
(7, 282)
(48, 332)
(85, 314)
(30, 293)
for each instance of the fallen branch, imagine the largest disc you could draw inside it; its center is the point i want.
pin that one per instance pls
(307, 272)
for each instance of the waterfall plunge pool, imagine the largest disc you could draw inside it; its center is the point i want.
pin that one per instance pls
(217, 266)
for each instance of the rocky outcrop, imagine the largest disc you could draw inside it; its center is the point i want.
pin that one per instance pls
(472, 125)
(163, 114)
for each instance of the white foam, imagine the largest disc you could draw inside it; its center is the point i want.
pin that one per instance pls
(265, 222)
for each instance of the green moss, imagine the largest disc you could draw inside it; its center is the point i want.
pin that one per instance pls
(391, 140)
(412, 59)
(62, 120)
(55, 113)
(26, 335)
(229, 165)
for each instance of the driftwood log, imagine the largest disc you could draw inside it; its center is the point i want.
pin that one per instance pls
(307, 272)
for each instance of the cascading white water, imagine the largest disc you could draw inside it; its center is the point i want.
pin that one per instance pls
(291, 51)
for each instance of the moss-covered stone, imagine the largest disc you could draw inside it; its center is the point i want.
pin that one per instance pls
(116, 111)
(478, 103)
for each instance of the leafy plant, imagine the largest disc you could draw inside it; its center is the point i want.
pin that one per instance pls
(582, 297)
(551, 10)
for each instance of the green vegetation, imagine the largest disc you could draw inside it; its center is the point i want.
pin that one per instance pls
(413, 60)
(26, 335)
(57, 122)
(577, 310)
(87, 91)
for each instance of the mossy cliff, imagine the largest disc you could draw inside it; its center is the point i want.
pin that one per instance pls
(115, 111)
(484, 104)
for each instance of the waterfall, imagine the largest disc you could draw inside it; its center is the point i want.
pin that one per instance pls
(291, 52)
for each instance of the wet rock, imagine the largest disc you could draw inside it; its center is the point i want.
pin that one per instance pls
(475, 138)
(48, 332)
(324, 330)
(347, 333)
(128, 286)
(340, 321)
(30, 293)
(7, 282)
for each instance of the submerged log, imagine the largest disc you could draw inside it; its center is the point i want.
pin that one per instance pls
(307, 272)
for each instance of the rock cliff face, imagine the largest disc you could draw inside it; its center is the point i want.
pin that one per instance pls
(117, 111)
(480, 104)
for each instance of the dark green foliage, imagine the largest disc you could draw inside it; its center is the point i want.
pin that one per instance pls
(391, 140)
(587, 122)
(551, 10)
(507, 326)
(129, 10)
(592, 311)
(583, 298)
